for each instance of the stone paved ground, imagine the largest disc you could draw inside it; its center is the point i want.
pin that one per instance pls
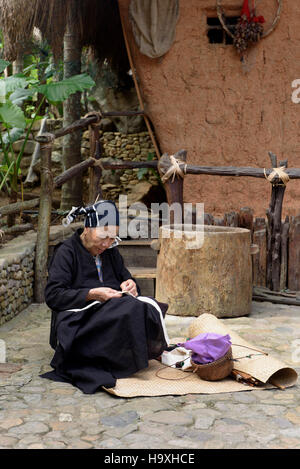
(37, 413)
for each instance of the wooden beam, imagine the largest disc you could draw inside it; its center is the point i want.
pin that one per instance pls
(16, 229)
(86, 121)
(18, 207)
(71, 172)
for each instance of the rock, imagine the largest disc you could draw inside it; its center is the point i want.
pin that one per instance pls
(29, 427)
(138, 192)
(206, 419)
(107, 125)
(120, 420)
(36, 125)
(10, 422)
(29, 147)
(171, 417)
(25, 162)
(111, 177)
(56, 157)
(107, 187)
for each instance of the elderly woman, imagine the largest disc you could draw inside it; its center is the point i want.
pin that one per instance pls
(99, 333)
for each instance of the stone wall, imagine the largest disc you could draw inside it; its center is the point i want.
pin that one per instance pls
(16, 276)
(126, 147)
(116, 145)
(17, 270)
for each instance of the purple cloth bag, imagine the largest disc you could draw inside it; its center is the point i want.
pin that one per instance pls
(208, 347)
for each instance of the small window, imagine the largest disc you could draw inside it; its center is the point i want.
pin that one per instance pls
(215, 32)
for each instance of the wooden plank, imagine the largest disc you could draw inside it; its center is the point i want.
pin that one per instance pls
(284, 253)
(136, 242)
(143, 272)
(259, 260)
(208, 219)
(274, 297)
(231, 219)
(294, 254)
(246, 219)
(219, 221)
(287, 294)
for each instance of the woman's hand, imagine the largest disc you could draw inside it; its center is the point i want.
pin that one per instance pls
(102, 294)
(130, 286)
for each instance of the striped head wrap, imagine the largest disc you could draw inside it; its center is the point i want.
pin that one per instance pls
(101, 213)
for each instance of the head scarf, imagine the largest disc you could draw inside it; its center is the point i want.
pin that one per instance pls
(101, 213)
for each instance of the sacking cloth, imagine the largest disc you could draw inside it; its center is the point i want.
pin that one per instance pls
(207, 347)
(153, 24)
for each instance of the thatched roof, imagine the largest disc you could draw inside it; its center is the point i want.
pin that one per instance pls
(98, 22)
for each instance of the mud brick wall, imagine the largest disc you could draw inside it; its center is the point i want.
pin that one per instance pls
(225, 112)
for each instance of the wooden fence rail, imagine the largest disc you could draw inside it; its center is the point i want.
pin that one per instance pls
(279, 242)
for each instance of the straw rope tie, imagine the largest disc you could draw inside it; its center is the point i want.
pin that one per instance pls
(96, 114)
(98, 163)
(175, 169)
(280, 172)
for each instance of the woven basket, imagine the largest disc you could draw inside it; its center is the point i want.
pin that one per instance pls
(216, 370)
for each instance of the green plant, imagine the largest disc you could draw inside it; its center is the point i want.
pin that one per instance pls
(16, 122)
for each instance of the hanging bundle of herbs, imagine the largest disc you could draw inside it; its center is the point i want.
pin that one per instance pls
(249, 28)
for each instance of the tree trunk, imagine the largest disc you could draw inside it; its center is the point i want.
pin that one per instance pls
(72, 190)
(18, 64)
(42, 242)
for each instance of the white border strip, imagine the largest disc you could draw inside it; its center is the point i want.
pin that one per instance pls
(146, 299)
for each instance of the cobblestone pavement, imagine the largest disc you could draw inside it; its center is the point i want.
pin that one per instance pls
(37, 413)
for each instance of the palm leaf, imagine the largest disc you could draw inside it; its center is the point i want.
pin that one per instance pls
(12, 115)
(13, 83)
(20, 95)
(14, 134)
(61, 90)
(3, 65)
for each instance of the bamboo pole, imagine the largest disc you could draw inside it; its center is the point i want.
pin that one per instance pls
(41, 256)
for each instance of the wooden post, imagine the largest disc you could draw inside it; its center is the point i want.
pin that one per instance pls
(95, 171)
(259, 260)
(231, 219)
(284, 253)
(41, 255)
(208, 219)
(246, 219)
(174, 188)
(294, 254)
(274, 214)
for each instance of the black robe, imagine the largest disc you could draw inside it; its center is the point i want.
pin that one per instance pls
(97, 343)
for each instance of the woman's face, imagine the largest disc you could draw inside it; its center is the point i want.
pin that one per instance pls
(98, 239)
